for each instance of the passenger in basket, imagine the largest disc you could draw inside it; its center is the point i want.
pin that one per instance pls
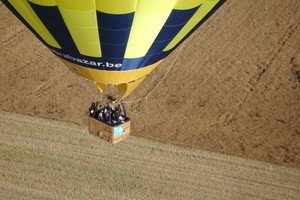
(105, 114)
(111, 107)
(118, 115)
(97, 110)
(92, 110)
(101, 116)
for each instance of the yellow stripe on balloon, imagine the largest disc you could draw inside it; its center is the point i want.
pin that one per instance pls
(127, 81)
(187, 4)
(111, 77)
(116, 6)
(81, 20)
(25, 10)
(79, 5)
(44, 2)
(149, 18)
(197, 17)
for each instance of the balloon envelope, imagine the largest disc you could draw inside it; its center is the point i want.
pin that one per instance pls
(115, 42)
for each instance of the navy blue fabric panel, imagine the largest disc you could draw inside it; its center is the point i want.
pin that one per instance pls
(136, 63)
(113, 50)
(149, 60)
(114, 30)
(105, 63)
(157, 47)
(176, 21)
(127, 63)
(58, 31)
(52, 19)
(132, 63)
(114, 37)
(178, 17)
(115, 21)
(168, 33)
(217, 6)
(163, 55)
(47, 13)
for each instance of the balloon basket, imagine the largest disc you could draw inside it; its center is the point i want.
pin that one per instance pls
(113, 134)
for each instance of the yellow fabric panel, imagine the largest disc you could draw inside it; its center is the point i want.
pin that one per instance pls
(122, 88)
(110, 77)
(82, 25)
(79, 18)
(44, 2)
(204, 10)
(101, 87)
(197, 17)
(24, 9)
(118, 77)
(116, 6)
(79, 5)
(131, 86)
(148, 21)
(187, 4)
(85, 34)
(81, 71)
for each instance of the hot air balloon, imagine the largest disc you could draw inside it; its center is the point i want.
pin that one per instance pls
(113, 42)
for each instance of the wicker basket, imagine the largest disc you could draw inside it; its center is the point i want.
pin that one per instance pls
(113, 134)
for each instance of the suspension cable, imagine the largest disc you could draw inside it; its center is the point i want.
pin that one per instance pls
(165, 75)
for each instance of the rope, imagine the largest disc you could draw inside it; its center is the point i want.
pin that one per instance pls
(165, 75)
(86, 85)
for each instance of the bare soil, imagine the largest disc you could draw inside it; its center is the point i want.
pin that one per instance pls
(234, 88)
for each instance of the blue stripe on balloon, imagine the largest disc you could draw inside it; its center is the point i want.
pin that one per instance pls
(114, 36)
(211, 12)
(132, 63)
(113, 50)
(53, 21)
(168, 33)
(114, 21)
(114, 30)
(176, 21)
(178, 17)
(127, 63)
(166, 53)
